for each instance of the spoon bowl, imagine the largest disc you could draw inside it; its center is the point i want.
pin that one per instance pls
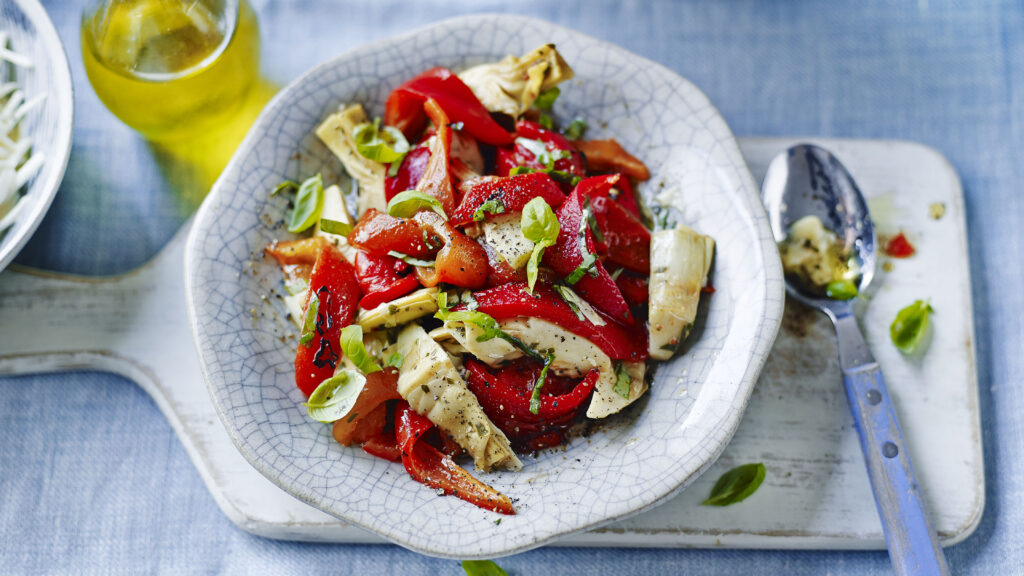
(807, 180)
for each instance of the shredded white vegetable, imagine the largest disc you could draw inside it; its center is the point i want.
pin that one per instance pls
(18, 163)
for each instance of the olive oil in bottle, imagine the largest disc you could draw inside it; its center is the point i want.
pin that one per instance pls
(171, 69)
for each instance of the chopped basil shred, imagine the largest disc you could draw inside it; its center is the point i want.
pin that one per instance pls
(588, 266)
(736, 485)
(546, 99)
(411, 260)
(352, 347)
(570, 298)
(309, 324)
(386, 145)
(490, 206)
(622, 380)
(540, 226)
(395, 361)
(335, 227)
(334, 398)
(309, 201)
(408, 203)
(483, 567)
(287, 185)
(535, 395)
(910, 326)
(576, 129)
(545, 122)
(841, 290)
(556, 175)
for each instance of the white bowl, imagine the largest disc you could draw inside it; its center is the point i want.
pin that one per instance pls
(50, 124)
(630, 465)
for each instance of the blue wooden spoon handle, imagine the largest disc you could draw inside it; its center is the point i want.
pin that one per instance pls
(909, 535)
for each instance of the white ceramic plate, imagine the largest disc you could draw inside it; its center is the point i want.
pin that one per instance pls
(646, 456)
(50, 124)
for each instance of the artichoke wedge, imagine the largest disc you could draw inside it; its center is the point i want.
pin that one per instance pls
(511, 85)
(431, 384)
(399, 311)
(337, 133)
(680, 261)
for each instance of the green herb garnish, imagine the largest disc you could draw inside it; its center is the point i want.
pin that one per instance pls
(284, 186)
(910, 326)
(309, 324)
(487, 323)
(736, 485)
(622, 380)
(406, 204)
(482, 567)
(386, 145)
(490, 206)
(841, 290)
(334, 398)
(412, 261)
(545, 121)
(540, 226)
(335, 227)
(546, 99)
(556, 175)
(576, 129)
(309, 201)
(535, 395)
(395, 361)
(588, 266)
(353, 348)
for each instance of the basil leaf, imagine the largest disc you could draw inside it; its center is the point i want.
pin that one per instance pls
(308, 203)
(309, 323)
(395, 361)
(910, 326)
(485, 322)
(556, 175)
(352, 347)
(622, 380)
(736, 485)
(545, 122)
(540, 226)
(335, 227)
(482, 568)
(385, 145)
(535, 395)
(411, 260)
(841, 290)
(576, 129)
(490, 206)
(406, 204)
(334, 398)
(283, 186)
(589, 260)
(546, 99)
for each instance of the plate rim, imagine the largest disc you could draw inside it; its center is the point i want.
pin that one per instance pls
(767, 327)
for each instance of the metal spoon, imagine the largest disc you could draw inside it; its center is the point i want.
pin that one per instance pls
(808, 180)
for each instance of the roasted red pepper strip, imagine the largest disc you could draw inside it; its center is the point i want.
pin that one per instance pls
(633, 288)
(384, 445)
(296, 257)
(437, 177)
(505, 393)
(512, 301)
(596, 286)
(333, 282)
(378, 233)
(513, 192)
(369, 414)
(404, 107)
(610, 156)
(460, 262)
(429, 466)
(506, 160)
(409, 173)
(625, 241)
(380, 280)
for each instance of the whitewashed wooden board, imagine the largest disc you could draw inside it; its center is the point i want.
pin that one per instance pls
(816, 494)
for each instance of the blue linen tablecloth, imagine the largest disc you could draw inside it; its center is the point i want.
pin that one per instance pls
(93, 480)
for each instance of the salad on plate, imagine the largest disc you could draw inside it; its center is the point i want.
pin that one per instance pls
(490, 283)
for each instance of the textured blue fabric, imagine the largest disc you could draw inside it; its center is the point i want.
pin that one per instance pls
(93, 480)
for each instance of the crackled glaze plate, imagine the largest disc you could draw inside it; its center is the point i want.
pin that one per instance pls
(31, 34)
(628, 465)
